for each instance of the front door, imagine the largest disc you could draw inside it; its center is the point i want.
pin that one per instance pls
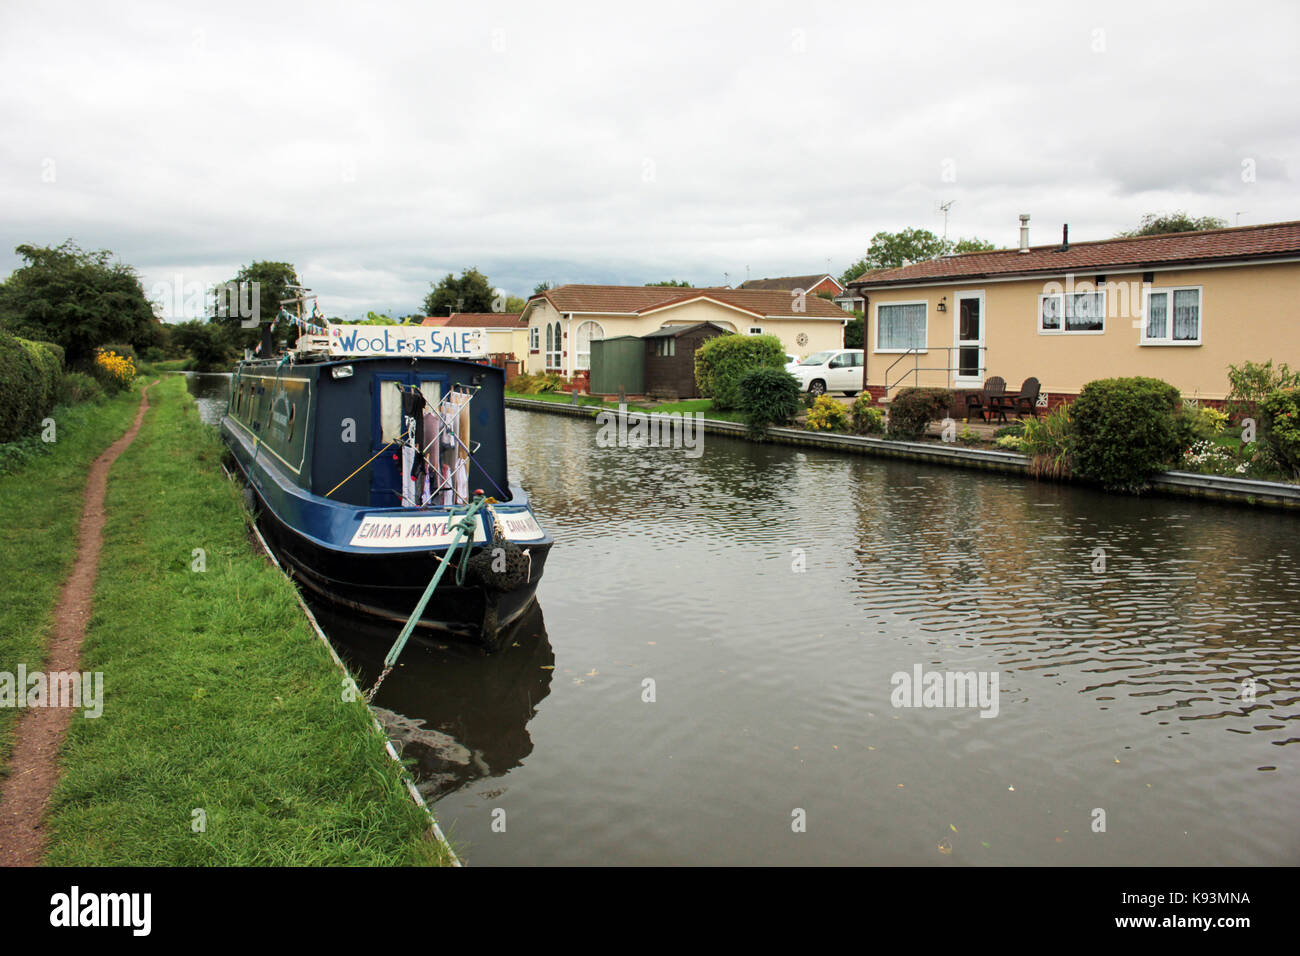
(387, 431)
(968, 339)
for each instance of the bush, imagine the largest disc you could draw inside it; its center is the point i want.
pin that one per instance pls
(768, 396)
(868, 418)
(1252, 382)
(914, 408)
(1011, 428)
(720, 362)
(537, 383)
(113, 371)
(1125, 431)
(1198, 423)
(1009, 442)
(29, 380)
(1046, 442)
(1281, 411)
(967, 436)
(78, 387)
(827, 415)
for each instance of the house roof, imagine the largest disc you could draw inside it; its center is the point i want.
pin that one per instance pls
(1237, 244)
(484, 320)
(641, 300)
(788, 282)
(434, 320)
(678, 330)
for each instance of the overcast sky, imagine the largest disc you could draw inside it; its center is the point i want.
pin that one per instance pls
(379, 146)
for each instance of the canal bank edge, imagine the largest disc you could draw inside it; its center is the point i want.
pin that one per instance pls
(1237, 491)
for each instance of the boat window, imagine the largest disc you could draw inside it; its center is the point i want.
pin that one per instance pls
(390, 411)
(432, 391)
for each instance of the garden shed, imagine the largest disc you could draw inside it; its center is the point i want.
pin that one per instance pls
(617, 363)
(670, 358)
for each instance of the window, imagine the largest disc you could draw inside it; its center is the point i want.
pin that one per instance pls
(1072, 312)
(534, 339)
(554, 353)
(1172, 316)
(755, 330)
(901, 326)
(588, 332)
(666, 347)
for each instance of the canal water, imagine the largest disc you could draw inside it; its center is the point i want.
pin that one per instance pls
(708, 678)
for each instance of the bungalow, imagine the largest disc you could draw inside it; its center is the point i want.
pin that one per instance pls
(813, 285)
(1179, 307)
(562, 322)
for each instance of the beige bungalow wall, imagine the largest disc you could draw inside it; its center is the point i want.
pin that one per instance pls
(820, 333)
(1247, 313)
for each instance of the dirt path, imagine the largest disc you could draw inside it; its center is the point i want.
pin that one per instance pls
(34, 769)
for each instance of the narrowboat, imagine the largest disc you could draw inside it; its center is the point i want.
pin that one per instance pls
(363, 451)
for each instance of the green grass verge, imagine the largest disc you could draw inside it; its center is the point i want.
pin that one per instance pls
(702, 405)
(218, 697)
(40, 498)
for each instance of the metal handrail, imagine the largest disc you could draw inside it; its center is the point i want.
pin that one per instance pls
(917, 368)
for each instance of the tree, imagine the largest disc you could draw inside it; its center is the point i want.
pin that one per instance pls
(515, 304)
(889, 250)
(1159, 224)
(272, 281)
(77, 299)
(470, 293)
(205, 341)
(542, 287)
(853, 330)
(675, 283)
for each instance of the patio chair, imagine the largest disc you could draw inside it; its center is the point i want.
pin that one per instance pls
(989, 399)
(1026, 400)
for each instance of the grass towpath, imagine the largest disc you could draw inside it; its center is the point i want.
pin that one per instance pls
(228, 736)
(40, 498)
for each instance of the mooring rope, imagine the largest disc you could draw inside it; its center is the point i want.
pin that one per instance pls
(463, 537)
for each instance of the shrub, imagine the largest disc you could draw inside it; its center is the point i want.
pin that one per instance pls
(914, 408)
(827, 415)
(1010, 442)
(78, 387)
(1047, 442)
(768, 396)
(1011, 428)
(868, 418)
(1197, 423)
(1252, 382)
(113, 371)
(720, 362)
(537, 383)
(967, 436)
(1125, 431)
(29, 379)
(1282, 417)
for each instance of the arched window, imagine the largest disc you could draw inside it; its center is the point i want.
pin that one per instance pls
(554, 354)
(588, 332)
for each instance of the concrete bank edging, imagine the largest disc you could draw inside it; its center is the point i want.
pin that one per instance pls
(1239, 491)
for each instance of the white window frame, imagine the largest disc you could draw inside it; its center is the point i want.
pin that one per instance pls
(578, 354)
(555, 354)
(1065, 329)
(535, 339)
(921, 351)
(755, 330)
(1169, 290)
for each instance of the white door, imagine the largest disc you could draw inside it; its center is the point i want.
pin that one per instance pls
(968, 338)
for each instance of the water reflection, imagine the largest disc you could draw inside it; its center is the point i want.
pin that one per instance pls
(462, 714)
(211, 391)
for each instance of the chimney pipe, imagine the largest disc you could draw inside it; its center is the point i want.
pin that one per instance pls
(1024, 232)
(1065, 236)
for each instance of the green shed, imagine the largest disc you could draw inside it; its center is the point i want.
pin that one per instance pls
(618, 363)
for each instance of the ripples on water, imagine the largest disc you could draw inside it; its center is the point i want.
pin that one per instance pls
(1120, 689)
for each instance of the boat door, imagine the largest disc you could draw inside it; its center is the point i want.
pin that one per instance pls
(387, 430)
